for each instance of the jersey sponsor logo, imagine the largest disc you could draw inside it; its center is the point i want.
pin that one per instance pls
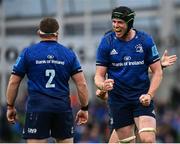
(72, 130)
(128, 63)
(139, 48)
(113, 52)
(32, 130)
(154, 51)
(127, 58)
(50, 62)
(111, 121)
(50, 56)
(17, 61)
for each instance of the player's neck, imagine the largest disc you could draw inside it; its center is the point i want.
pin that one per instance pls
(49, 39)
(129, 36)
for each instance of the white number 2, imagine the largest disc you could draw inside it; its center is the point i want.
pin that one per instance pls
(51, 74)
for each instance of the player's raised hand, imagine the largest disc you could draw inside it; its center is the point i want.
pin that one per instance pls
(81, 117)
(11, 115)
(167, 60)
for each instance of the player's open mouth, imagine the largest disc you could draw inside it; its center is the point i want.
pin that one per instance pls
(118, 30)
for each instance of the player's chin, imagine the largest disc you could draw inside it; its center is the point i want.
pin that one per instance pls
(119, 34)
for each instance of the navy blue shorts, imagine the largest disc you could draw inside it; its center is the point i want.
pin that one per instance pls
(40, 125)
(123, 114)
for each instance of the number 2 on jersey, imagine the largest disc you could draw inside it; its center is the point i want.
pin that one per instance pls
(51, 74)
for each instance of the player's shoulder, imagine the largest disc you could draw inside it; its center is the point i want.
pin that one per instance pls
(66, 50)
(26, 49)
(32, 46)
(145, 39)
(108, 36)
(108, 33)
(142, 34)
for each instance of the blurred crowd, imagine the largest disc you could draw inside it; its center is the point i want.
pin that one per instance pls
(97, 130)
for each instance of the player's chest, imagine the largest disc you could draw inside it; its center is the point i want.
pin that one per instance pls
(127, 52)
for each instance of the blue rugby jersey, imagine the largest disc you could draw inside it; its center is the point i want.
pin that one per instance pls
(127, 64)
(49, 66)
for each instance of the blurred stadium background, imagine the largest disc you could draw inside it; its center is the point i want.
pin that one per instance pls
(83, 22)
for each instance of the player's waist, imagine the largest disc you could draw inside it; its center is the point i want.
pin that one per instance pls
(47, 104)
(129, 93)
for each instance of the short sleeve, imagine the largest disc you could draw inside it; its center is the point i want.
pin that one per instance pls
(19, 68)
(102, 54)
(152, 54)
(76, 67)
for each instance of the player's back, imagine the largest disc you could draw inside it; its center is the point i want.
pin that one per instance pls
(49, 66)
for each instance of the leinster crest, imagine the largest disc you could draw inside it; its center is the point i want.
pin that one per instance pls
(139, 48)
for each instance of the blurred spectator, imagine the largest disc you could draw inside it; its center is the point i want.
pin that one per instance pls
(6, 134)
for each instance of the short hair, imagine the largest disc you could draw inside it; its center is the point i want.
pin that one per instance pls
(48, 25)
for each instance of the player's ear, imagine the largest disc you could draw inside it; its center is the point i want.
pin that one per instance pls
(56, 33)
(38, 32)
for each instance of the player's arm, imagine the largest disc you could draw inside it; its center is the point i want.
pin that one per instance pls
(82, 89)
(102, 83)
(99, 82)
(100, 79)
(11, 95)
(81, 85)
(157, 75)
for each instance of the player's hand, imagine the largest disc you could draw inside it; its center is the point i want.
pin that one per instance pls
(102, 94)
(108, 84)
(11, 115)
(145, 99)
(81, 117)
(167, 60)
